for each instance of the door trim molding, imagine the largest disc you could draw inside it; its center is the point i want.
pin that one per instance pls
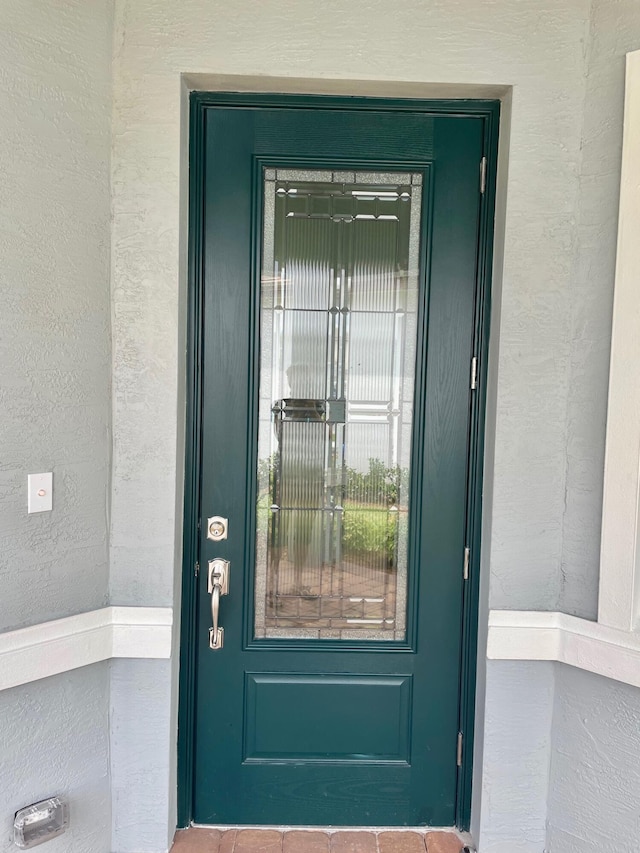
(619, 587)
(489, 112)
(50, 648)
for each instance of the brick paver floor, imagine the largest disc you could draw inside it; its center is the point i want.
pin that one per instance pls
(197, 840)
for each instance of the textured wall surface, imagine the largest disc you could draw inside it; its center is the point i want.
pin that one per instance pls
(594, 793)
(517, 752)
(615, 30)
(55, 96)
(54, 739)
(140, 756)
(564, 62)
(537, 47)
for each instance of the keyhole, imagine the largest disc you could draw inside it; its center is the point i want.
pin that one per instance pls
(217, 528)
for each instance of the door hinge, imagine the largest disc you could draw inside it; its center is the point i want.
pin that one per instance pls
(197, 569)
(483, 174)
(474, 373)
(465, 568)
(459, 751)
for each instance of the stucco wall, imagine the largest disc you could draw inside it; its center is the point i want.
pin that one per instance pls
(538, 48)
(594, 799)
(140, 718)
(54, 305)
(552, 316)
(614, 31)
(517, 750)
(54, 740)
(55, 94)
(552, 296)
(594, 792)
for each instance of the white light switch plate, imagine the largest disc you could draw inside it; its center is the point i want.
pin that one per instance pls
(39, 492)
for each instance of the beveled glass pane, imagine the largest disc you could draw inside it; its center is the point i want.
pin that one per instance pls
(338, 321)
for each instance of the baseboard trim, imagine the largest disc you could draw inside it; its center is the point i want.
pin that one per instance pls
(533, 635)
(50, 648)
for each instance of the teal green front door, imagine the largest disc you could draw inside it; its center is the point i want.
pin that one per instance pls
(337, 248)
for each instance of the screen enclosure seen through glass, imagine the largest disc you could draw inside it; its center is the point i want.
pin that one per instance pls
(338, 327)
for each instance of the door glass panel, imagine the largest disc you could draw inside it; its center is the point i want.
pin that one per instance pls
(338, 323)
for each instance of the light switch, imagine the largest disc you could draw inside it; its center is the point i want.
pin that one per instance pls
(39, 492)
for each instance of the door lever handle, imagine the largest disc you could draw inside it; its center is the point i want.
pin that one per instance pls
(217, 585)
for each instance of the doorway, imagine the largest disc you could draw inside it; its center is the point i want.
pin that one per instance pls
(339, 256)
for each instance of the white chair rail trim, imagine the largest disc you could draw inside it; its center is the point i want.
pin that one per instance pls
(532, 635)
(50, 648)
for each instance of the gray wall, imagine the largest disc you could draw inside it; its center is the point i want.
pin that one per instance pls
(55, 102)
(54, 740)
(594, 791)
(553, 306)
(54, 305)
(517, 749)
(552, 295)
(593, 800)
(140, 720)
(614, 30)
(536, 46)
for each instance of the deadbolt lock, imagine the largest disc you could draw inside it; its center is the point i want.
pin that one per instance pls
(217, 528)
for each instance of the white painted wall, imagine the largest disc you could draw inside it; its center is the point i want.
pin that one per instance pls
(55, 96)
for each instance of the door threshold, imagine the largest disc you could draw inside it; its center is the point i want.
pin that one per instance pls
(225, 838)
(423, 830)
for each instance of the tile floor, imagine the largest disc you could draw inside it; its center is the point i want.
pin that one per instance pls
(196, 840)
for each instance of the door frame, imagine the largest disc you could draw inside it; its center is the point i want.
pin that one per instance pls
(489, 111)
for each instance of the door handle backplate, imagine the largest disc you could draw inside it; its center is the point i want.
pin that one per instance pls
(217, 585)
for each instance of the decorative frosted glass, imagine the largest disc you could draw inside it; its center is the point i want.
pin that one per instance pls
(338, 344)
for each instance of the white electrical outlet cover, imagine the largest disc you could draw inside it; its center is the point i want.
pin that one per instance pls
(39, 492)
